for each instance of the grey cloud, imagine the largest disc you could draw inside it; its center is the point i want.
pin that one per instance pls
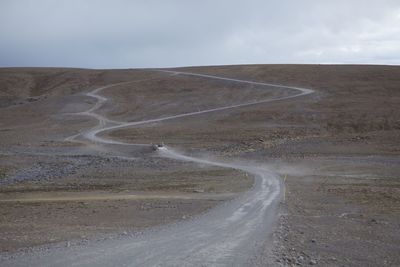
(122, 33)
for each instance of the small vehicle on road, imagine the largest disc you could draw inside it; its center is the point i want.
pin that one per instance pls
(158, 146)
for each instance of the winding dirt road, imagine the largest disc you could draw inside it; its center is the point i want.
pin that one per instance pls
(232, 234)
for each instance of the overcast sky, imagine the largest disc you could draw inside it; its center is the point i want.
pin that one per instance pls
(151, 33)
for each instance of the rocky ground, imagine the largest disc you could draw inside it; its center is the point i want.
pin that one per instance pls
(70, 197)
(337, 150)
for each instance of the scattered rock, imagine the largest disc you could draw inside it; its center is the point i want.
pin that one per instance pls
(313, 262)
(198, 190)
(32, 99)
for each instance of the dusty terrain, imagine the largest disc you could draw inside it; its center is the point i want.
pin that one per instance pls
(338, 149)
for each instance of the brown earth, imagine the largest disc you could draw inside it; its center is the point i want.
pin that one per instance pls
(339, 149)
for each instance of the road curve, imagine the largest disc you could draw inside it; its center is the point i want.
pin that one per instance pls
(232, 234)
